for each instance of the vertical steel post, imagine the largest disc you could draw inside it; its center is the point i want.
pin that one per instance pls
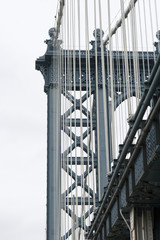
(53, 165)
(54, 155)
(49, 67)
(102, 143)
(102, 118)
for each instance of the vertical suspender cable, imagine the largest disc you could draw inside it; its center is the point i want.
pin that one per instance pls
(135, 57)
(97, 102)
(104, 91)
(61, 128)
(151, 21)
(108, 90)
(126, 58)
(64, 109)
(88, 157)
(111, 77)
(119, 117)
(141, 36)
(130, 66)
(155, 4)
(81, 144)
(142, 42)
(145, 24)
(70, 91)
(61, 144)
(115, 90)
(74, 80)
(124, 109)
(67, 80)
(118, 91)
(87, 166)
(90, 98)
(80, 79)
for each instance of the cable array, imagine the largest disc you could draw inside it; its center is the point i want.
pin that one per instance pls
(78, 151)
(101, 87)
(128, 57)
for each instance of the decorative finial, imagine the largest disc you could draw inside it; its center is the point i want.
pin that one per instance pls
(97, 33)
(157, 44)
(51, 32)
(158, 35)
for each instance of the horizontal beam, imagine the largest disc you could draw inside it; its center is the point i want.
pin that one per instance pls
(79, 161)
(77, 122)
(115, 55)
(79, 201)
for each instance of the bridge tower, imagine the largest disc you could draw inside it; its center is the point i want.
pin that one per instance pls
(58, 122)
(93, 152)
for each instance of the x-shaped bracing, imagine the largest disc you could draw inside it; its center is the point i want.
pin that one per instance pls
(90, 160)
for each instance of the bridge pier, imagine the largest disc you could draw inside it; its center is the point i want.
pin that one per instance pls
(145, 223)
(141, 223)
(48, 65)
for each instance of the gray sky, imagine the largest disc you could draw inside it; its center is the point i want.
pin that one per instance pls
(24, 27)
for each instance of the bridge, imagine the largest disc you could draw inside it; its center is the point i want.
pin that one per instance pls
(103, 146)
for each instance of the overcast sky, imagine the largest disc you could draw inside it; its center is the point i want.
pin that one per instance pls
(24, 27)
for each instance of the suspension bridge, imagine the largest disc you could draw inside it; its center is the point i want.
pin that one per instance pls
(103, 146)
